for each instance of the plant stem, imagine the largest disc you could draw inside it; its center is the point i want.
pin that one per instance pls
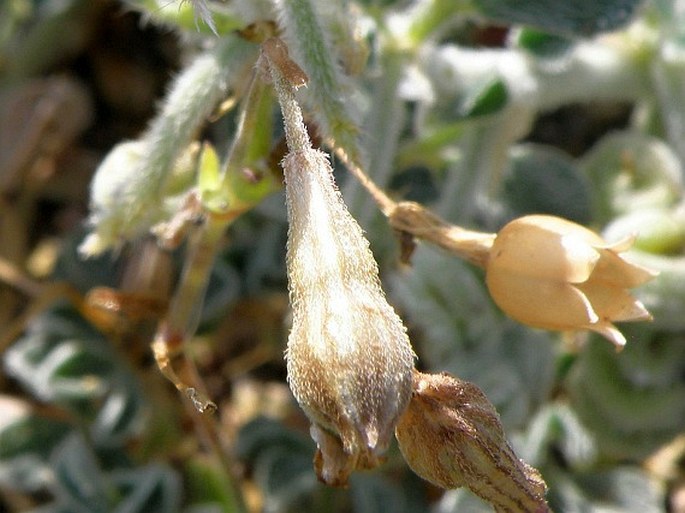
(181, 320)
(287, 76)
(416, 220)
(180, 323)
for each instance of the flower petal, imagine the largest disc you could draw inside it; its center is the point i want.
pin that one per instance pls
(634, 311)
(332, 464)
(535, 246)
(614, 303)
(621, 245)
(581, 258)
(615, 270)
(610, 332)
(564, 227)
(540, 303)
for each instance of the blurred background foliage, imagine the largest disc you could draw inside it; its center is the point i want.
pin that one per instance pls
(483, 110)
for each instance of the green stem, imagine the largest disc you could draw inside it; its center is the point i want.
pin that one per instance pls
(428, 17)
(485, 156)
(245, 179)
(184, 312)
(250, 127)
(459, 188)
(667, 74)
(183, 315)
(181, 321)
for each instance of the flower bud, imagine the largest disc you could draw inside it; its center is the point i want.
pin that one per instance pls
(349, 358)
(451, 435)
(551, 273)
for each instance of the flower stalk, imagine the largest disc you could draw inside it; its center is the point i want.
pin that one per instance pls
(416, 221)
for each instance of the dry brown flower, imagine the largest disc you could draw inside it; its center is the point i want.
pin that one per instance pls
(451, 435)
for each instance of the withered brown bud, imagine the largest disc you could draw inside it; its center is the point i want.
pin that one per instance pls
(349, 358)
(451, 435)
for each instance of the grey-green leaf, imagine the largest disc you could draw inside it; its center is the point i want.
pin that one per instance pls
(25, 447)
(579, 17)
(487, 97)
(543, 180)
(542, 44)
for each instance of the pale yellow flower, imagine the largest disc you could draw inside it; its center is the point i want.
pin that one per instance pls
(550, 273)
